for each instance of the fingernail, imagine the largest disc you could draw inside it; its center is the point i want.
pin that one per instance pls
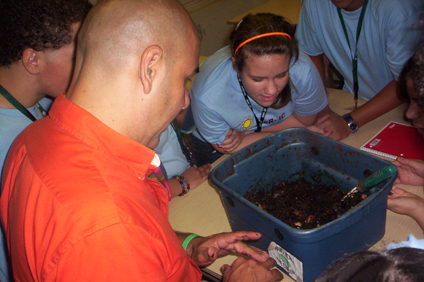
(325, 131)
(219, 146)
(225, 151)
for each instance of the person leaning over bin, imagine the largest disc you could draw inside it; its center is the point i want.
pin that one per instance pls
(259, 85)
(411, 171)
(80, 199)
(368, 42)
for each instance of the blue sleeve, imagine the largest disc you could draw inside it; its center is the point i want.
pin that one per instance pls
(211, 126)
(310, 96)
(402, 34)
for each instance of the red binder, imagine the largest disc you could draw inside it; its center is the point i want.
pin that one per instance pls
(397, 140)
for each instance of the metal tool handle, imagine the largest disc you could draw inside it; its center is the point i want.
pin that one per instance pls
(376, 178)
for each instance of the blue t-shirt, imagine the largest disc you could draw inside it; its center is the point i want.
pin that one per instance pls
(170, 153)
(12, 122)
(387, 40)
(219, 105)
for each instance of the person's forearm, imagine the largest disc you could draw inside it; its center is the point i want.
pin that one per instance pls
(175, 187)
(251, 137)
(320, 65)
(182, 236)
(326, 111)
(386, 100)
(248, 139)
(306, 120)
(289, 122)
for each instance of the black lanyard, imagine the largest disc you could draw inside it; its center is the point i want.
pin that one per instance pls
(19, 106)
(186, 150)
(265, 109)
(355, 57)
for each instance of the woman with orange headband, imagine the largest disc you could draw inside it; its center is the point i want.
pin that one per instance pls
(258, 85)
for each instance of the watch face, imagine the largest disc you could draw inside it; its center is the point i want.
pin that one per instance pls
(352, 125)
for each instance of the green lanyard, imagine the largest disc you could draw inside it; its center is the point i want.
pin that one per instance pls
(355, 58)
(19, 106)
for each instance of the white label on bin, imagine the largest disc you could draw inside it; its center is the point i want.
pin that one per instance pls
(287, 261)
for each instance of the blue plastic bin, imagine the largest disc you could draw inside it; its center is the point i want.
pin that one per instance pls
(281, 156)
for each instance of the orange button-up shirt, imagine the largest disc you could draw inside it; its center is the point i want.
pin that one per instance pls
(77, 205)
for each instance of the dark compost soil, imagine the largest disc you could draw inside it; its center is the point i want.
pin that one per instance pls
(303, 205)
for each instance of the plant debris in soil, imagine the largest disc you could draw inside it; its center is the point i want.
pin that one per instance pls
(303, 205)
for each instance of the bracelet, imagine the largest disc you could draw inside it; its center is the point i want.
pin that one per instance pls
(186, 182)
(183, 187)
(188, 240)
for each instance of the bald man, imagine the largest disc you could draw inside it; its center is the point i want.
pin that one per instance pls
(81, 200)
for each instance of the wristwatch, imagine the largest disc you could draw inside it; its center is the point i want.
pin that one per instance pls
(351, 123)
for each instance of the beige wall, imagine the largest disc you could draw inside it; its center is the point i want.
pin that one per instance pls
(210, 18)
(211, 22)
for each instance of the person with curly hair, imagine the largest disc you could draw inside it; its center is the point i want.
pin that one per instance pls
(37, 39)
(411, 84)
(37, 42)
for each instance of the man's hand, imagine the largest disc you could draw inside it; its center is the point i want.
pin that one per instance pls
(250, 270)
(205, 250)
(410, 171)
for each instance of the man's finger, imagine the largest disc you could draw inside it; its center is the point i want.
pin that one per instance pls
(225, 268)
(251, 252)
(269, 263)
(277, 274)
(241, 236)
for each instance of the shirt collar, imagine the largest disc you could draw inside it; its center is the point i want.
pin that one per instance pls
(98, 135)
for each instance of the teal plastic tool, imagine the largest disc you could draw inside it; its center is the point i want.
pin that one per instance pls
(372, 180)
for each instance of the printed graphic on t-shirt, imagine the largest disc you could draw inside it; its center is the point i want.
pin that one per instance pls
(271, 121)
(249, 124)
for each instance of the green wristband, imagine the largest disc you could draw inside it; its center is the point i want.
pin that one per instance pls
(188, 240)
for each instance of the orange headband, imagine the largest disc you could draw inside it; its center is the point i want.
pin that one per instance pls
(260, 36)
